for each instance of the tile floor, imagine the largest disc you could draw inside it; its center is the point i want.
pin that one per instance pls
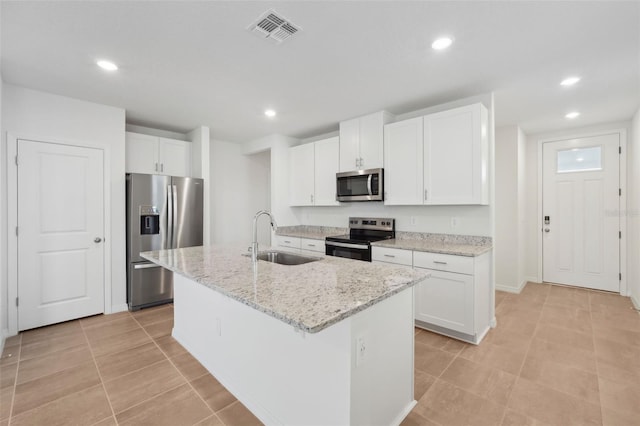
(559, 356)
(121, 369)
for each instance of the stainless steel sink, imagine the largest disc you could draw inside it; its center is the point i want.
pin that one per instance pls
(284, 258)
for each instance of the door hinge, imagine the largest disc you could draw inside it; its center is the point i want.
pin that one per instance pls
(620, 234)
(620, 276)
(16, 231)
(17, 299)
(620, 192)
(16, 158)
(619, 150)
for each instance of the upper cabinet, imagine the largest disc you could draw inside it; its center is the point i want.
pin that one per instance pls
(361, 141)
(312, 173)
(438, 159)
(155, 155)
(456, 153)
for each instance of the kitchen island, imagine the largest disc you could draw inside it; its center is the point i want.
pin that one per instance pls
(328, 342)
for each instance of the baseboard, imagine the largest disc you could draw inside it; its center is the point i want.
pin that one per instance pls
(119, 308)
(636, 302)
(508, 289)
(531, 280)
(404, 413)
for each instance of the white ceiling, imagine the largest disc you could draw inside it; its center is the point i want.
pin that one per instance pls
(189, 63)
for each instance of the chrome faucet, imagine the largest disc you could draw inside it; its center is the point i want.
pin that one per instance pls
(254, 244)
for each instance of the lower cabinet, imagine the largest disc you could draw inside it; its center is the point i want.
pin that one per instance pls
(456, 298)
(446, 299)
(300, 245)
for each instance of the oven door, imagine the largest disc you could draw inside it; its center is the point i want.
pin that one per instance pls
(348, 250)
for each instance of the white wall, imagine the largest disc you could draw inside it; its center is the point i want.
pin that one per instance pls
(34, 114)
(633, 212)
(508, 246)
(3, 228)
(533, 263)
(240, 185)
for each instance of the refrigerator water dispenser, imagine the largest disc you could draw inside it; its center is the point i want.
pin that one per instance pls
(149, 220)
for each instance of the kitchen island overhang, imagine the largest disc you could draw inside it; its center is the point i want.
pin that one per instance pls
(328, 343)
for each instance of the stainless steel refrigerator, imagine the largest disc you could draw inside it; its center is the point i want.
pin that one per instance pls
(163, 212)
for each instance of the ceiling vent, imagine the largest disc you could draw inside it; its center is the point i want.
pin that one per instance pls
(273, 27)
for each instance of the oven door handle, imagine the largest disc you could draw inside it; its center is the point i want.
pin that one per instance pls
(369, 184)
(346, 245)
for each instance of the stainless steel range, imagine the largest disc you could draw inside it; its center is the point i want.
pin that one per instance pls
(362, 232)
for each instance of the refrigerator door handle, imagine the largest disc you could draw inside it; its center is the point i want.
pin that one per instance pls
(169, 217)
(174, 225)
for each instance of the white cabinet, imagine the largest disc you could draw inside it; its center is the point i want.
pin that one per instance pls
(438, 159)
(392, 255)
(312, 173)
(288, 243)
(311, 246)
(154, 155)
(361, 141)
(455, 299)
(456, 153)
(326, 161)
(403, 162)
(301, 175)
(308, 246)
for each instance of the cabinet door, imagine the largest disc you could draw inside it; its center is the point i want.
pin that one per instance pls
(326, 162)
(141, 154)
(371, 141)
(175, 157)
(403, 163)
(287, 243)
(301, 171)
(455, 156)
(349, 140)
(446, 299)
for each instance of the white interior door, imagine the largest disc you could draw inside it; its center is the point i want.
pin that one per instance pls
(61, 233)
(581, 221)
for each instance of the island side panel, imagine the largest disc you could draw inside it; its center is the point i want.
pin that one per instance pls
(382, 378)
(282, 376)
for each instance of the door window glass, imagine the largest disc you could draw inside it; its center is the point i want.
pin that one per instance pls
(580, 159)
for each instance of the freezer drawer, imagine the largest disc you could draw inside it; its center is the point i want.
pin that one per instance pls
(149, 285)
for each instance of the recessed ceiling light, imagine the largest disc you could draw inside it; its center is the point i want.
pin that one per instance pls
(270, 113)
(572, 114)
(107, 65)
(441, 43)
(570, 81)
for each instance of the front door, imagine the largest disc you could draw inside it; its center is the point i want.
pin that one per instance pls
(581, 221)
(60, 233)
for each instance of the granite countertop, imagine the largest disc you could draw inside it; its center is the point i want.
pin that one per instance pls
(312, 232)
(458, 245)
(310, 297)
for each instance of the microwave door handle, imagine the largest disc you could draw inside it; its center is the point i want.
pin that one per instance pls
(369, 184)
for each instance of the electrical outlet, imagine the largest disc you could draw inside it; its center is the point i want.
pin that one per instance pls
(454, 222)
(361, 349)
(413, 220)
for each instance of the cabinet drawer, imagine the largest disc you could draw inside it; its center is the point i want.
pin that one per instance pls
(291, 242)
(443, 262)
(392, 255)
(312, 245)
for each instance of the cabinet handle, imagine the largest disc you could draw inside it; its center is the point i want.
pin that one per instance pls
(287, 241)
(311, 198)
(425, 195)
(439, 262)
(162, 167)
(389, 255)
(311, 245)
(156, 166)
(357, 165)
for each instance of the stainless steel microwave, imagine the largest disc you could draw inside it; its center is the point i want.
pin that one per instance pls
(360, 185)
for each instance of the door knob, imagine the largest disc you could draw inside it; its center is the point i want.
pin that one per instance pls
(97, 239)
(547, 229)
